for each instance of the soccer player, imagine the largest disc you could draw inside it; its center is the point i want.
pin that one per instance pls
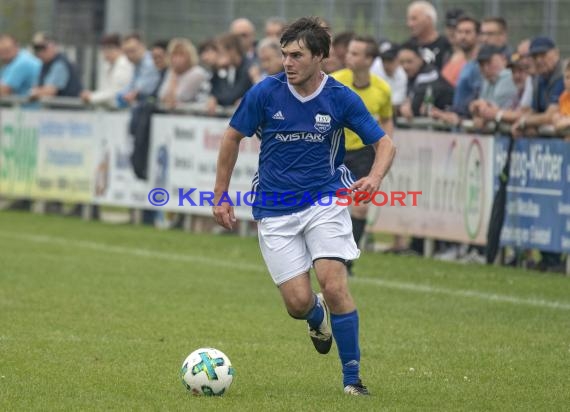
(377, 97)
(300, 116)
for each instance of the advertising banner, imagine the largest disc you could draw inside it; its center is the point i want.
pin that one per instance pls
(453, 173)
(537, 214)
(18, 154)
(48, 154)
(183, 159)
(115, 182)
(66, 143)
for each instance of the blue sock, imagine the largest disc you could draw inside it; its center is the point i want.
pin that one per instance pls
(315, 315)
(345, 332)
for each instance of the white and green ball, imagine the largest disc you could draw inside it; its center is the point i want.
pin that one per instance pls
(207, 371)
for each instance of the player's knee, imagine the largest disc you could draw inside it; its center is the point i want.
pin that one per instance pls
(298, 306)
(335, 293)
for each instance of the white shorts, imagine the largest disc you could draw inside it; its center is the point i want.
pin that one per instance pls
(291, 243)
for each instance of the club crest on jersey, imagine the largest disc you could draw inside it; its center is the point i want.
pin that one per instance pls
(322, 122)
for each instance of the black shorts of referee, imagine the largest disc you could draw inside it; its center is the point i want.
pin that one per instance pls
(360, 161)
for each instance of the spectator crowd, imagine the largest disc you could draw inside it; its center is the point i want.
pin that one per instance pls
(471, 71)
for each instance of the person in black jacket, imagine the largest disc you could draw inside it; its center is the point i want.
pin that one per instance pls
(234, 75)
(422, 78)
(421, 19)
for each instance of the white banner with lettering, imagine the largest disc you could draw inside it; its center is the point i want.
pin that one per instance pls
(115, 181)
(454, 173)
(183, 158)
(85, 156)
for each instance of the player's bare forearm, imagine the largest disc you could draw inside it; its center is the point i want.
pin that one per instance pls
(224, 212)
(227, 158)
(385, 152)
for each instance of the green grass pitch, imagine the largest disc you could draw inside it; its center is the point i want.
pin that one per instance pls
(100, 317)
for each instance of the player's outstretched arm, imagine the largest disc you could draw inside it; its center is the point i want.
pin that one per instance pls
(227, 157)
(385, 152)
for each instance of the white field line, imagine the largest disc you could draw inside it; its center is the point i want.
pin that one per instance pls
(416, 287)
(145, 253)
(187, 257)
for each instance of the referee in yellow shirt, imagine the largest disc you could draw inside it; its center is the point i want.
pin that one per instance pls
(377, 97)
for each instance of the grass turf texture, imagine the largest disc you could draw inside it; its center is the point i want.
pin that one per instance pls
(100, 317)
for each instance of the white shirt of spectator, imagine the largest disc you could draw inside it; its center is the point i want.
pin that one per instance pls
(114, 79)
(398, 82)
(190, 85)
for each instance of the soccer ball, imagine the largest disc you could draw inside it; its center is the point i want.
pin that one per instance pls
(207, 371)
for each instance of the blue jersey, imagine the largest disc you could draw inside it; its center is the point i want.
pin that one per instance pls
(302, 141)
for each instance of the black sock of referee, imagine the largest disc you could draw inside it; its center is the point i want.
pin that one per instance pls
(358, 226)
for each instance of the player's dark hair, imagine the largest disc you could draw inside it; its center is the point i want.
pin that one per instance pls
(371, 45)
(312, 32)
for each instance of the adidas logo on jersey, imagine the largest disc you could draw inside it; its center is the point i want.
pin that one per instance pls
(279, 116)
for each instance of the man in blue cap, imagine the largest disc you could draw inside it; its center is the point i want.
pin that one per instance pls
(549, 87)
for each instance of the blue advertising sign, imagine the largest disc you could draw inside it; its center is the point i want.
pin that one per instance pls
(537, 213)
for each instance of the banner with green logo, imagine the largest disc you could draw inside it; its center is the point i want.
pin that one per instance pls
(47, 154)
(18, 155)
